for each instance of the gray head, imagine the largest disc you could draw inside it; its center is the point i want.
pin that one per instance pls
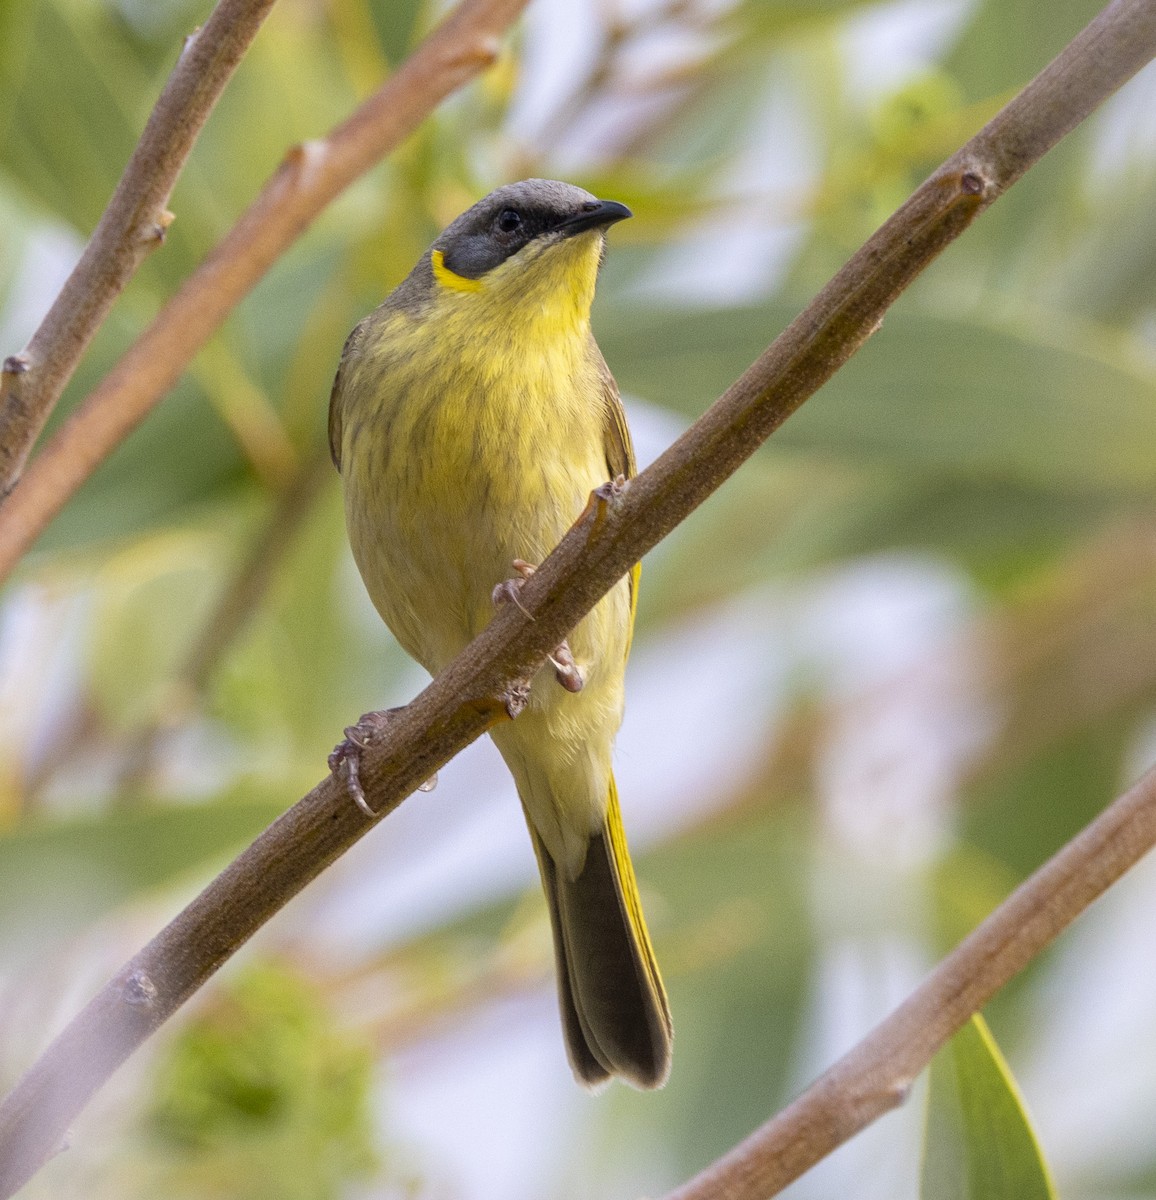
(535, 211)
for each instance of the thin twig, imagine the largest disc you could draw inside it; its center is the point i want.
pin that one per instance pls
(230, 615)
(184, 691)
(252, 579)
(875, 1076)
(481, 686)
(132, 225)
(310, 177)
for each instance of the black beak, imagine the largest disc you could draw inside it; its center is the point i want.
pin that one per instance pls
(594, 214)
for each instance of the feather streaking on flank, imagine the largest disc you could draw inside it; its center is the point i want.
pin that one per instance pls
(471, 417)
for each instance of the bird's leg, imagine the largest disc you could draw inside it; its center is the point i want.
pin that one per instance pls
(566, 670)
(346, 756)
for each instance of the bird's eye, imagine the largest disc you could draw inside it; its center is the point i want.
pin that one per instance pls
(509, 220)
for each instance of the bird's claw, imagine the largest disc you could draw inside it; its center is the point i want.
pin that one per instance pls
(346, 757)
(566, 670)
(507, 591)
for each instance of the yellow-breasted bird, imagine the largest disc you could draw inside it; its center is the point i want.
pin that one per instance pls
(471, 417)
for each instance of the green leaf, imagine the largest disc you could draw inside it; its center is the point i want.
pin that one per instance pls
(980, 1144)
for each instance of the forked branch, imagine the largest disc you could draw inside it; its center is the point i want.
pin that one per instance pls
(312, 175)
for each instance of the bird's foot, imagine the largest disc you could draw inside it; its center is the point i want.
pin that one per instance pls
(346, 757)
(566, 670)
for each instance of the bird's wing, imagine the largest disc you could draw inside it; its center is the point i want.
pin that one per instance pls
(619, 450)
(619, 454)
(335, 396)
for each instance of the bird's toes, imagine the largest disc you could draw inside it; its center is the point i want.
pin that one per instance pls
(566, 670)
(507, 591)
(345, 761)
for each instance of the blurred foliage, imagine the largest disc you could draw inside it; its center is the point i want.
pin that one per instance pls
(189, 638)
(260, 1096)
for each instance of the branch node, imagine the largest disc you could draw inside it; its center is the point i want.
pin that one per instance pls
(972, 183)
(139, 990)
(602, 499)
(481, 53)
(190, 41)
(898, 1091)
(301, 159)
(515, 698)
(611, 491)
(155, 233)
(17, 364)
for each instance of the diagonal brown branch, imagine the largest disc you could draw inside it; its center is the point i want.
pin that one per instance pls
(875, 1076)
(618, 527)
(132, 225)
(311, 176)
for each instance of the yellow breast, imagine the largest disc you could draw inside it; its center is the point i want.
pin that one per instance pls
(472, 435)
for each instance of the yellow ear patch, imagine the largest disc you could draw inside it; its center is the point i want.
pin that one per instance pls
(450, 279)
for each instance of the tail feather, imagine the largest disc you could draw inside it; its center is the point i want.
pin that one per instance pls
(614, 1008)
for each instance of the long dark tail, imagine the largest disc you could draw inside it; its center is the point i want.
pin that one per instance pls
(614, 1007)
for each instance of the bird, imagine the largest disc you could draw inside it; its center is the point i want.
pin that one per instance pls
(471, 417)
